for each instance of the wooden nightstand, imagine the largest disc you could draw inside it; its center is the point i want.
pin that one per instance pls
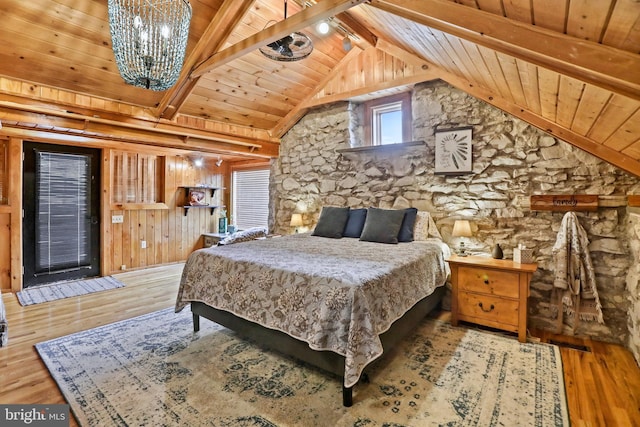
(491, 292)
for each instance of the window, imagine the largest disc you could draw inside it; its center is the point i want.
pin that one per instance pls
(250, 198)
(388, 120)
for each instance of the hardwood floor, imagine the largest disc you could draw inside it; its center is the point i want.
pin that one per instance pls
(603, 384)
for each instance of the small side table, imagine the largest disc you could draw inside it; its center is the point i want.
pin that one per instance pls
(491, 292)
(212, 239)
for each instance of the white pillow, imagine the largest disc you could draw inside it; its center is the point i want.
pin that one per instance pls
(425, 227)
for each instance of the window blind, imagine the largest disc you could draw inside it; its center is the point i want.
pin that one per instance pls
(250, 198)
(63, 207)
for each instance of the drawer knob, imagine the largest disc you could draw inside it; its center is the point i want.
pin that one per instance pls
(485, 278)
(485, 310)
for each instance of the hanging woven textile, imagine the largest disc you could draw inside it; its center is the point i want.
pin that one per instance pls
(574, 287)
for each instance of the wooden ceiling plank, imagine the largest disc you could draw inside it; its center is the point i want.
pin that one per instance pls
(591, 105)
(221, 26)
(529, 78)
(495, 69)
(549, 83)
(623, 30)
(520, 10)
(614, 114)
(300, 20)
(484, 75)
(430, 44)
(512, 76)
(626, 135)
(228, 87)
(240, 99)
(551, 14)
(569, 95)
(492, 6)
(590, 62)
(587, 19)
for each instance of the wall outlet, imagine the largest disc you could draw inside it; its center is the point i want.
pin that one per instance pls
(123, 267)
(143, 244)
(117, 219)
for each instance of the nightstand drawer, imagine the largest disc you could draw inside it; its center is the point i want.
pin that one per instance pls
(488, 281)
(488, 309)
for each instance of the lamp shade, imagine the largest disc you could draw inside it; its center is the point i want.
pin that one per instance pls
(461, 228)
(296, 220)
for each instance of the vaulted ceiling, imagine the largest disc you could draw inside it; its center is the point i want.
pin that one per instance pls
(570, 67)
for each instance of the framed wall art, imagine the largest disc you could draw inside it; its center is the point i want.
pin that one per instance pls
(453, 151)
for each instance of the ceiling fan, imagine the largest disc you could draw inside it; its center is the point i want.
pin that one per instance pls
(294, 47)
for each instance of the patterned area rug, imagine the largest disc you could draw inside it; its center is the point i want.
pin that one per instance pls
(59, 290)
(153, 370)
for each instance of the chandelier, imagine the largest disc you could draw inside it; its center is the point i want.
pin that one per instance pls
(149, 39)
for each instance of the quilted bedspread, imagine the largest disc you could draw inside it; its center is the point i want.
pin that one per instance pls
(334, 294)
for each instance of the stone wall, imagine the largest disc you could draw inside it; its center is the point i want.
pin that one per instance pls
(633, 284)
(511, 161)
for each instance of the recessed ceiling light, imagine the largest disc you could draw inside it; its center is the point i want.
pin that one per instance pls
(323, 27)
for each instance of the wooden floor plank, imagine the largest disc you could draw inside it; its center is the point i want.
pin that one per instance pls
(603, 384)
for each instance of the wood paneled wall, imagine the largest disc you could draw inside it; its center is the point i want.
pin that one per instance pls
(170, 235)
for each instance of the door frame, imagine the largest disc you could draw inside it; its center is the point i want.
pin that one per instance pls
(97, 198)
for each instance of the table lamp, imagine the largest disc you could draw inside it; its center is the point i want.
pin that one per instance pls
(461, 228)
(296, 221)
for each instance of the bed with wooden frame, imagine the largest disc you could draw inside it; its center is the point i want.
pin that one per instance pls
(336, 304)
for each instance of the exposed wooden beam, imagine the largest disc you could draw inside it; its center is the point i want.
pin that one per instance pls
(300, 20)
(603, 66)
(218, 31)
(80, 126)
(605, 153)
(357, 28)
(301, 109)
(424, 76)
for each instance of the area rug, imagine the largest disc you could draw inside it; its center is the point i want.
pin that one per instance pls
(154, 371)
(59, 290)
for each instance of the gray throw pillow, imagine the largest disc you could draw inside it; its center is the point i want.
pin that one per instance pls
(331, 222)
(382, 225)
(355, 223)
(408, 223)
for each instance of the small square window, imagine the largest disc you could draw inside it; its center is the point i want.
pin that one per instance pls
(388, 120)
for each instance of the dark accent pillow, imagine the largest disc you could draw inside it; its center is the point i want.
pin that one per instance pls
(382, 225)
(408, 223)
(355, 223)
(331, 222)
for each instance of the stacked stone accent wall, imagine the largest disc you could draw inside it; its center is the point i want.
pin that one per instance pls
(511, 161)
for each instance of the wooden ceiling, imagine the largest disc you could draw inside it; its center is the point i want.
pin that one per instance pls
(570, 67)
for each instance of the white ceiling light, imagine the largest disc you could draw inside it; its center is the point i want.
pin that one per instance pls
(323, 27)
